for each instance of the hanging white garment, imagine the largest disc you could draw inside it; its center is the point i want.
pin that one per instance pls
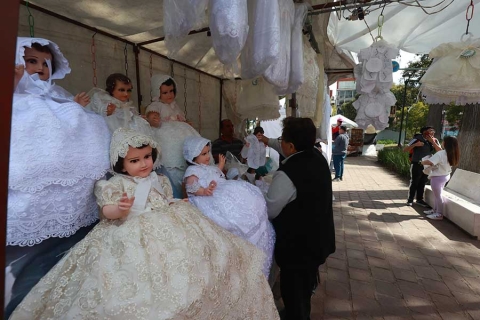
(257, 99)
(374, 76)
(377, 68)
(307, 92)
(374, 109)
(262, 47)
(278, 74)
(229, 27)
(297, 57)
(454, 75)
(179, 18)
(58, 151)
(255, 153)
(125, 114)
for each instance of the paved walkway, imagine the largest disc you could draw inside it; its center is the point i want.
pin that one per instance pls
(392, 262)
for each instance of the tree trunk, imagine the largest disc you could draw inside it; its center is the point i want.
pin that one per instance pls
(434, 119)
(469, 139)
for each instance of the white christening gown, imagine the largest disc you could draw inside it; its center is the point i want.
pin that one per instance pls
(236, 206)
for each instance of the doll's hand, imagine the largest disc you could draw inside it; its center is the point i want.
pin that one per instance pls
(211, 187)
(82, 99)
(221, 159)
(19, 70)
(125, 204)
(110, 109)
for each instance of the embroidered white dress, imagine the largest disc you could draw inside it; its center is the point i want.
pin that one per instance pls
(164, 261)
(58, 150)
(454, 75)
(236, 206)
(170, 136)
(125, 114)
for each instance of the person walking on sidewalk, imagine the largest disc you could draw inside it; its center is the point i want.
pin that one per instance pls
(441, 163)
(340, 146)
(421, 145)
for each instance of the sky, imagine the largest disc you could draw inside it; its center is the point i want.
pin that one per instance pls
(403, 60)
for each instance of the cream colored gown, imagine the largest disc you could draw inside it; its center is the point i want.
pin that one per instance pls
(166, 261)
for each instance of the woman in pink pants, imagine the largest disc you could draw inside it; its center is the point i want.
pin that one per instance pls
(442, 163)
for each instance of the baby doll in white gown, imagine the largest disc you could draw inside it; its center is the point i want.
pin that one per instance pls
(151, 257)
(236, 206)
(115, 106)
(172, 128)
(57, 152)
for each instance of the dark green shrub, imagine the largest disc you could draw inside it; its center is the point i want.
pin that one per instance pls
(395, 159)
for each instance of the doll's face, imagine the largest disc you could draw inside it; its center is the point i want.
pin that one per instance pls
(167, 94)
(204, 156)
(153, 119)
(138, 162)
(35, 63)
(122, 91)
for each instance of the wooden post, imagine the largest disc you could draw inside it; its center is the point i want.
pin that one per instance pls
(9, 27)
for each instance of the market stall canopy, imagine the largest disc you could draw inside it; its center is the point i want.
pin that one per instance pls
(406, 26)
(345, 121)
(141, 22)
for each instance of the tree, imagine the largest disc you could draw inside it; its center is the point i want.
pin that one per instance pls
(469, 139)
(415, 117)
(348, 110)
(454, 115)
(422, 63)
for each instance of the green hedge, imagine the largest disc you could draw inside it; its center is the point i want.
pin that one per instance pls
(386, 141)
(395, 159)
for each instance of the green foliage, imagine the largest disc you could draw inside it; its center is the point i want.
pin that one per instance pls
(334, 110)
(386, 142)
(422, 63)
(414, 119)
(453, 114)
(395, 159)
(348, 110)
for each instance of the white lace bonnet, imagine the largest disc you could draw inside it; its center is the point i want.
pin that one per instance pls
(153, 107)
(155, 84)
(122, 138)
(61, 63)
(193, 146)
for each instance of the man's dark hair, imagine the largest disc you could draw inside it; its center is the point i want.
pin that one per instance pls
(344, 128)
(118, 167)
(423, 129)
(258, 130)
(168, 83)
(299, 131)
(112, 81)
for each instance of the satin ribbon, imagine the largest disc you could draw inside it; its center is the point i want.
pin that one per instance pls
(142, 191)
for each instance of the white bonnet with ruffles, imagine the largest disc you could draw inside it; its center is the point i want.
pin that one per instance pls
(156, 82)
(153, 107)
(193, 146)
(123, 138)
(60, 62)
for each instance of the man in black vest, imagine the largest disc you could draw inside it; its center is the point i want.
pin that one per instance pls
(299, 204)
(421, 145)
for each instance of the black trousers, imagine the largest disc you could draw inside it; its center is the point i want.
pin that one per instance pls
(296, 287)
(417, 182)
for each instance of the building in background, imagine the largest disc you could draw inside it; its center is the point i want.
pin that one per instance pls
(345, 91)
